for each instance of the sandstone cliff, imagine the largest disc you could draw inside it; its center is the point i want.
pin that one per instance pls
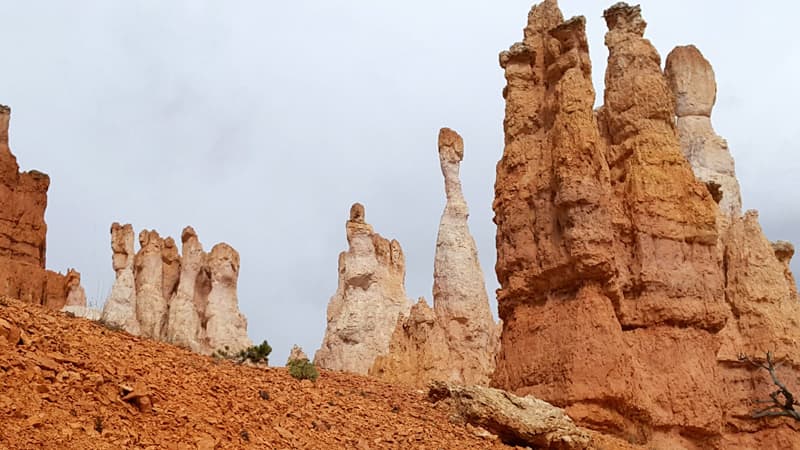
(187, 300)
(622, 298)
(457, 340)
(23, 233)
(368, 302)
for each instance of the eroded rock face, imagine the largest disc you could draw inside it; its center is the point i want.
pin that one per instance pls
(23, 233)
(189, 301)
(622, 298)
(368, 302)
(691, 79)
(455, 341)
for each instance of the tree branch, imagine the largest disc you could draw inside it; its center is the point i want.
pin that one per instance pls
(782, 400)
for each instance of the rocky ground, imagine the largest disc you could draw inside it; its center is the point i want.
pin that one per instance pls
(64, 381)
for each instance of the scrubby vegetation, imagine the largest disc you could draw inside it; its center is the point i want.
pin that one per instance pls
(303, 369)
(256, 354)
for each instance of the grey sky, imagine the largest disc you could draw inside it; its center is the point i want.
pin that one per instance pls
(259, 123)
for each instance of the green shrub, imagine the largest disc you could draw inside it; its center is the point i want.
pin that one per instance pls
(303, 369)
(255, 354)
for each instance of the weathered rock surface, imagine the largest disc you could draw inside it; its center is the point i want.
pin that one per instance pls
(189, 301)
(691, 78)
(296, 354)
(369, 300)
(456, 340)
(419, 351)
(226, 327)
(120, 307)
(523, 421)
(622, 298)
(23, 233)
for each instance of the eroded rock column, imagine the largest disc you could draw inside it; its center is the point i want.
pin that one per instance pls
(691, 79)
(368, 302)
(459, 289)
(151, 306)
(120, 307)
(226, 327)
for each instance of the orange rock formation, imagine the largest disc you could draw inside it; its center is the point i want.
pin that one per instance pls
(23, 235)
(621, 298)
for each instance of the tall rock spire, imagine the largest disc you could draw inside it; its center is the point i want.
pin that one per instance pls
(457, 340)
(459, 290)
(691, 79)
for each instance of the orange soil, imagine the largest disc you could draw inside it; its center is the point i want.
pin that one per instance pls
(60, 388)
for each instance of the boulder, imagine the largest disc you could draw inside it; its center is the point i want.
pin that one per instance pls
(519, 421)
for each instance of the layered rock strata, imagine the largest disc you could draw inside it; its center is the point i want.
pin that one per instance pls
(369, 300)
(23, 235)
(622, 298)
(692, 81)
(457, 339)
(187, 300)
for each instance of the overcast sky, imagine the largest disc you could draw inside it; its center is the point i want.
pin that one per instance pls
(260, 123)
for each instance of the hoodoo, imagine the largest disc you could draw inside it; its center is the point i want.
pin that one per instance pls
(369, 300)
(187, 300)
(623, 300)
(457, 340)
(23, 235)
(691, 79)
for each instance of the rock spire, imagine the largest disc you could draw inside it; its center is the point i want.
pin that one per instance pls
(457, 340)
(623, 300)
(691, 79)
(23, 235)
(369, 299)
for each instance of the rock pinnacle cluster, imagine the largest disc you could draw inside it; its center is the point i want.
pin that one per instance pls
(187, 299)
(630, 282)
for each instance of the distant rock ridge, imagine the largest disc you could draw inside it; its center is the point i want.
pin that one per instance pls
(23, 235)
(457, 339)
(187, 300)
(369, 300)
(629, 281)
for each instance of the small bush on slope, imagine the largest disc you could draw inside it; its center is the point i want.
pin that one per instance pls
(303, 369)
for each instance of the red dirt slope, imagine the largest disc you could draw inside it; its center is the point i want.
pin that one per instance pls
(60, 387)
